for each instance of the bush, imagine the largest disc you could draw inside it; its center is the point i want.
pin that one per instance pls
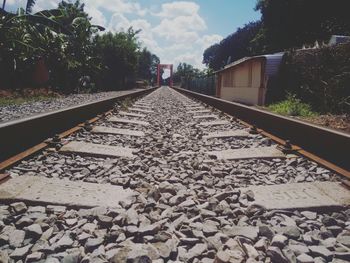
(292, 106)
(320, 77)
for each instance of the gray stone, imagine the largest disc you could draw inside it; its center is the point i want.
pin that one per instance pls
(16, 238)
(344, 239)
(292, 232)
(266, 231)
(149, 229)
(279, 241)
(309, 215)
(222, 257)
(197, 250)
(34, 230)
(36, 256)
(299, 249)
(4, 257)
(64, 242)
(321, 251)
(342, 255)
(250, 251)
(304, 258)
(72, 258)
(245, 231)
(19, 207)
(93, 243)
(20, 253)
(262, 244)
(276, 255)
(52, 260)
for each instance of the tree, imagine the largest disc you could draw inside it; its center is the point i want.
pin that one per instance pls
(147, 66)
(292, 23)
(22, 42)
(118, 53)
(233, 47)
(285, 24)
(29, 6)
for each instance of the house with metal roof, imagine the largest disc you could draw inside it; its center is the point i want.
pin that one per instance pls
(247, 80)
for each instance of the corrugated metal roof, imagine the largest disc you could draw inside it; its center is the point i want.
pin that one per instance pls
(336, 39)
(273, 62)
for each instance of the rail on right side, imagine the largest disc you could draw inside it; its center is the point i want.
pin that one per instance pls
(330, 145)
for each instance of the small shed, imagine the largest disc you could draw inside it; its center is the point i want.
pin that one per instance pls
(246, 80)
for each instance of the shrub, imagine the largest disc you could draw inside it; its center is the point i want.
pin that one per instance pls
(320, 77)
(292, 106)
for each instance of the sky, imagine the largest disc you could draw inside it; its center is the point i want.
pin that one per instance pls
(176, 31)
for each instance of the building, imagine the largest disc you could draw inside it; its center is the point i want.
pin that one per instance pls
(246, 80)
(336, 39)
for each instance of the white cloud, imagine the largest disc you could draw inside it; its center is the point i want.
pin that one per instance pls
(97, 17)
(178, 8)
(117, 6)
(175, 31)
(208, 40)
(180, 29)
(119, 22)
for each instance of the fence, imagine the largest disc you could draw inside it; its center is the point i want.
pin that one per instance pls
(205, 85)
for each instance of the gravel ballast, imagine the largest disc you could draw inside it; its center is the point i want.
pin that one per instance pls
(188, 208)
(18, 111)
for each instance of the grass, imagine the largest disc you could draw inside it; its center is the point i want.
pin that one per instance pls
(6, 101)
(126, 103)
(292, 106)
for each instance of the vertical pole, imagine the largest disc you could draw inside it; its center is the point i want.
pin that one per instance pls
(171, 76)
(158, 72)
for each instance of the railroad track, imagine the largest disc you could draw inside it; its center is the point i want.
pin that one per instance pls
(171, 179)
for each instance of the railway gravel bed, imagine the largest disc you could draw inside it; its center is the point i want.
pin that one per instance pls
(18, 111)
(189, 206)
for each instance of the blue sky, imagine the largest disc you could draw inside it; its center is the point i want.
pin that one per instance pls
(176, 31)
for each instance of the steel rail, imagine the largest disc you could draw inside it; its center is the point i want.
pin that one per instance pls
(327, 147)
(19, 135)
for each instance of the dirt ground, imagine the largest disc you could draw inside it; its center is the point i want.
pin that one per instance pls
(338, 122)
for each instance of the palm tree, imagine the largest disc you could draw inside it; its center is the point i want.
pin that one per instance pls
(30, 4)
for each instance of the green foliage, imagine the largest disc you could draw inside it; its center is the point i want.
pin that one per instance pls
(185, 72)
(320, 76)
(118, 53)
(20, 100)
(235, 46)
(293, 23)
(77, 58)
(284, 24)
(292, 106)
(147, 66)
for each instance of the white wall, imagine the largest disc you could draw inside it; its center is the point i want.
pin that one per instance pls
(243, 82)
